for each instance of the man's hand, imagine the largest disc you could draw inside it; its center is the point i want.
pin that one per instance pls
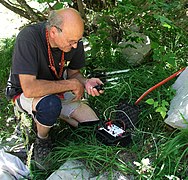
(90, 84)
(77, 89)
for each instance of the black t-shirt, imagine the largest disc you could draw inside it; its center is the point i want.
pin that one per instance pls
(31, 57)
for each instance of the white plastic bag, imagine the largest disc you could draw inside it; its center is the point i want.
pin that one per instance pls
(178, 112)
(11, 167)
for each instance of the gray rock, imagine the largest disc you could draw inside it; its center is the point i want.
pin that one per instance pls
(70, 170)
(75, 169)
(136, 52)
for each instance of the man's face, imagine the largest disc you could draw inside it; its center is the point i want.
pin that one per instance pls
(65, 40)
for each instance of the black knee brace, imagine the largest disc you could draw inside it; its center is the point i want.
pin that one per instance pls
(48, 110)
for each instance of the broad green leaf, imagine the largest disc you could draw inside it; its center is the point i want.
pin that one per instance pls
(163, 114)
(170, 58)
(164, 108)
(155, 104)
(164, 24)
(150, 101)
(58, 6)
(154, 45)
(159, 109)
(165, 103)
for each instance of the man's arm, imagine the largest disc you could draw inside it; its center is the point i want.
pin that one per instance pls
(87, 83)
(77, 75)
(33, 87)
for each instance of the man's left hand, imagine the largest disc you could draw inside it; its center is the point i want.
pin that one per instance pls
(90, 84)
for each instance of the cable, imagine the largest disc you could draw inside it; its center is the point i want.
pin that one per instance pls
(106, 110)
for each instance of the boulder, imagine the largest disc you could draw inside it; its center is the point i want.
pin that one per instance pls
(74, 169)
(136, 52)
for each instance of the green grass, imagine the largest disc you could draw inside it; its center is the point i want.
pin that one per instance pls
(6, 108)
(166, 150)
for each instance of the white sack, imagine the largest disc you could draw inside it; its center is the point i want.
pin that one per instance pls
(11, 167)
(178, 112)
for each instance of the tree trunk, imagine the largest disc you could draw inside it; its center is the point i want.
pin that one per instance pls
(81, 9)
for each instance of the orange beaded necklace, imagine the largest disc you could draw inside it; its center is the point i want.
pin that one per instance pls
(51, 60)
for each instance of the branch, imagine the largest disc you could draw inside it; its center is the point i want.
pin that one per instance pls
(24, 10)
(33, 15)
(15, 9)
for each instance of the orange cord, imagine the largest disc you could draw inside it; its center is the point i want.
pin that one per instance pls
(159, 84)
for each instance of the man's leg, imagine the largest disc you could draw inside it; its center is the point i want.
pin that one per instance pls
(84, 114)
(42, 131)
(45, 112)
(77, 112)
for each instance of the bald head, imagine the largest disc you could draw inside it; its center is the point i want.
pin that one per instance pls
(68, 19)
(72, 22)
(65, 28)
(70, 15)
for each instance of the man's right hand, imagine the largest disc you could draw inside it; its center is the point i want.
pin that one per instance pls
(77, 89)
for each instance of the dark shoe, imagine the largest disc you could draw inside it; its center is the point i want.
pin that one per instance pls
(42, 148)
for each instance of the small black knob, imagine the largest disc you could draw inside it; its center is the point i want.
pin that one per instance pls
(99, 87)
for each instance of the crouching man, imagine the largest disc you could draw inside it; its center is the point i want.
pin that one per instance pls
(36, 83)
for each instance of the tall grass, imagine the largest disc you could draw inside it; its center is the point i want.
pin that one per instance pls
(166, 150)
(6, 108)
(6, 50)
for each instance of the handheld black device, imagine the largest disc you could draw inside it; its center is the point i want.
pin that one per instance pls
(99, 87)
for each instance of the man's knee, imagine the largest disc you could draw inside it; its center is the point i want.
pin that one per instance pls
(48, 110)
(84, 113)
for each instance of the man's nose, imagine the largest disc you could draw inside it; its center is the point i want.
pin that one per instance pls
(74, 45)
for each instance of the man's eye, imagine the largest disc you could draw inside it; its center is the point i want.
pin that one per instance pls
(72, 42)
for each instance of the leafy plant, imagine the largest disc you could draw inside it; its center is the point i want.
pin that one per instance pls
(167, 152)
(6, 49)
(160, 107)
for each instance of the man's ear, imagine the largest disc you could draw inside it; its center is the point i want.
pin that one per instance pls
(53, 32)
